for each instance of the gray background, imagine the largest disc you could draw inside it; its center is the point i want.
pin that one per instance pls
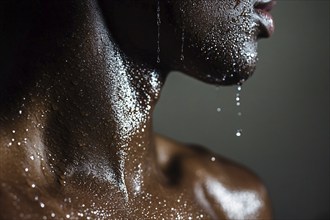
(285, 112)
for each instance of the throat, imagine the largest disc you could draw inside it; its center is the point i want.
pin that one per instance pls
(104, 129)
(87, 127)
(87, 113)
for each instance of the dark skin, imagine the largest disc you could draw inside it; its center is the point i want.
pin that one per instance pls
(76, 138)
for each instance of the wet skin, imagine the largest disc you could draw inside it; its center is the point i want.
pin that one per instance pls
(76, 102)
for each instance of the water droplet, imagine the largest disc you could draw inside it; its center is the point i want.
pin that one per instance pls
(32, 157)
(14, 131)
(33, 185)
(9, 144)
(42, 205)
(212, 159)
(26, 169)
(67, 216)
(20, 112)
(239, 132)
(53, 215)
(239, 113)
(218, 109)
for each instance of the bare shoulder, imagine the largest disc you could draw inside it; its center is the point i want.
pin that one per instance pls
(224, 188)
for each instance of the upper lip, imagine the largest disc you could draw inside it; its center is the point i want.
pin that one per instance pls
(263, 8)
(264, 5)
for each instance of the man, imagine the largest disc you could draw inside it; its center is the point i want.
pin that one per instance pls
(78, 89)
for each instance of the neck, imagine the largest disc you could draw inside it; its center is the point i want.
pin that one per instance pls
(88, 109)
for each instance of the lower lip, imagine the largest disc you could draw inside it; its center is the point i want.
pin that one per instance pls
(266, 20)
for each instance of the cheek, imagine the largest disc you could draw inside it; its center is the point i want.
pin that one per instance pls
(220, 41)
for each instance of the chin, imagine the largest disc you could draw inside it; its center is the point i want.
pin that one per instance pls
(223, 62)
(228, 78)
(224, 71)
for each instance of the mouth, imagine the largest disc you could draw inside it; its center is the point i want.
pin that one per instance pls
(263, 8)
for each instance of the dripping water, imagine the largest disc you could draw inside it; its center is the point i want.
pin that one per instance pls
(182, 35)
(238, 104)
(158, 31)
(182, 44)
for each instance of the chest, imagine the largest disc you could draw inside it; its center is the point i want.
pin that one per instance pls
(97, 203)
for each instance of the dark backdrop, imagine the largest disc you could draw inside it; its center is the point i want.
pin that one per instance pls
(285, 112)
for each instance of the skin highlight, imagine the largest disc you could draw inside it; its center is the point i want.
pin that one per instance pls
(76, 103)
